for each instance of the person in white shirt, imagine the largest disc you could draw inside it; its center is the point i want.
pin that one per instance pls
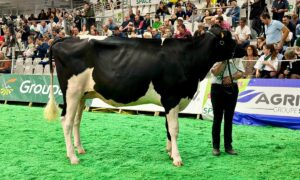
(242, 33)
(267, 65)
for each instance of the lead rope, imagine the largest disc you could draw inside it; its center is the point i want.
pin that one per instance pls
(230, 74)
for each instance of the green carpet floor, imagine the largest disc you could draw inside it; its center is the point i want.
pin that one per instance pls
(133, 147)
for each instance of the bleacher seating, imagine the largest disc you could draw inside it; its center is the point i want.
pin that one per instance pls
(28, 69)
(38, 69)
(19, 69)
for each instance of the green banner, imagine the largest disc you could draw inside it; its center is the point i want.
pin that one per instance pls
(28, 88)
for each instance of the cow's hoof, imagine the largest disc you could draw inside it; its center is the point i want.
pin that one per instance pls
(74, 160)
(177, 163)
(81, 151)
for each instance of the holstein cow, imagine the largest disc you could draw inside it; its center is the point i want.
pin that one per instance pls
(134, 71)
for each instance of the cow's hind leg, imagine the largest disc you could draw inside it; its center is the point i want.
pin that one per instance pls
(173, 126)
(169, 144)
(76, 127)
(73, 98)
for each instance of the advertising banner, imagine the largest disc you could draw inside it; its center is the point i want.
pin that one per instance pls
(144, 2)
(28, 88)
(269, 102)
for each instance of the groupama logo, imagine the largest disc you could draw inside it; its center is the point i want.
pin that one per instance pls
(247, 96)
(7, 90)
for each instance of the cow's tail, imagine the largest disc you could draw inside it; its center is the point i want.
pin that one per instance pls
(51, 109)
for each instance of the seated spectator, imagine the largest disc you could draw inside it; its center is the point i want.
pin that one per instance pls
(5, 63)
(234, 13)
(111, 24)
(94, 32)
(168, 34)
(182, 32)
(30, 49)
(147, 21)
(138, 13)
(249, 62)
(220, 21)
(83, 30)
(162, 10)
(180, 12)
(242, 34)
(41, 48)
(43, 28)
(125, 23)
(2, 42)
(75, 32)
(61, 34)
(147, 35)
(260, 42)
(189, 12)
(290, 69)
(118, 33)
(54, 34)
(157, 22)
(155, 34)
(138, 25)
(267, 64)
(200, 31)
(106, 31)
(168, 25)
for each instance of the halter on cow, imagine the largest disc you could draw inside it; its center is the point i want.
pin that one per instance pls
(125, 72)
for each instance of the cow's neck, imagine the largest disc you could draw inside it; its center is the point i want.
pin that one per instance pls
(204, 57)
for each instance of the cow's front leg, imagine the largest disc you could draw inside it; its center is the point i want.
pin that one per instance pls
(173, 127)
(76, 128)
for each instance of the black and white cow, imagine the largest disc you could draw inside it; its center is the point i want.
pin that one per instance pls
(134, 71)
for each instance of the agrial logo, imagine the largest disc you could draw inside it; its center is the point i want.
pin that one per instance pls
(247, 96)
(7, 90)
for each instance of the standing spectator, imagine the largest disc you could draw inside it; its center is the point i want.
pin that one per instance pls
(250, 60)
(77, 20)
(25, 33)
(89, 15)
(275, 31)
(257, 9)
(224, 93)
(138, 13)
(295, 19)
(279, 7)
(267, 64)
(131, 14)
(286, 21)
(242, 34)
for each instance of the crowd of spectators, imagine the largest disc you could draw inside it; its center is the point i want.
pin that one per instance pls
(34, 35)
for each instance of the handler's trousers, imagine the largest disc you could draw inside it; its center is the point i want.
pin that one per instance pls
(223, 101)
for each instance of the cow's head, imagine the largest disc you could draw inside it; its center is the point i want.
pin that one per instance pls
(225, 46)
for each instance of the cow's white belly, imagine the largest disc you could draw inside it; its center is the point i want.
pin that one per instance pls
(84, 82)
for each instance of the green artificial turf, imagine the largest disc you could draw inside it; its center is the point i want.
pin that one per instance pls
(133, 147)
